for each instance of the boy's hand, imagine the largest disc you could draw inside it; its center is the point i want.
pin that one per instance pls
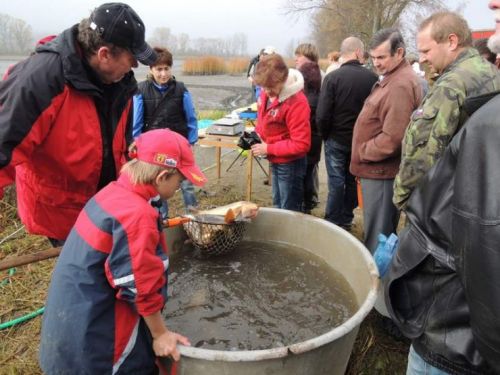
(164, 341)
(166, 344)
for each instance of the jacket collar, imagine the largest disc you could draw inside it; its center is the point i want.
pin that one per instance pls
(146, 191)
(352, 62)
(162, 88)
(294, 83)
(390, 76)
(462, 56)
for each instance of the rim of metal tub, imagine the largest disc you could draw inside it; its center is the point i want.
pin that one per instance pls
(307, 345)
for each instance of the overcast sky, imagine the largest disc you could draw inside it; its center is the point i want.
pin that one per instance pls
(263, 21)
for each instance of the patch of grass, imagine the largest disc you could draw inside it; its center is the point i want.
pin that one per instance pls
(21, 292)
(212, 114)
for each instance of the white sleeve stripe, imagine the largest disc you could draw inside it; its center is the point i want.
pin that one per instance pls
(124, 280)
(129, 278)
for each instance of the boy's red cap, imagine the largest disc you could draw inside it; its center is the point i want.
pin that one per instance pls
(169, 149)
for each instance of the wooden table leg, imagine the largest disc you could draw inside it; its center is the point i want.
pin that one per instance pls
(249, 176)
(217, 159)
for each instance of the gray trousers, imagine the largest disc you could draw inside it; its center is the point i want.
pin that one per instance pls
(379, 213)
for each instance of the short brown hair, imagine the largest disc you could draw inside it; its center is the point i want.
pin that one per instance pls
(443, 24)
(164, 57)
(308, 50)
(271, 70)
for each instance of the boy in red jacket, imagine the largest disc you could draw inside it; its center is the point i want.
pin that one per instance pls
(103, 310)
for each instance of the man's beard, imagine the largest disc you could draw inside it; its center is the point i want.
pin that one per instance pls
(494, 43)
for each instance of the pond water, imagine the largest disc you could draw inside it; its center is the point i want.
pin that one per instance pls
(260, 296)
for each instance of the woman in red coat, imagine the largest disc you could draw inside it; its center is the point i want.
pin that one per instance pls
(283, 125)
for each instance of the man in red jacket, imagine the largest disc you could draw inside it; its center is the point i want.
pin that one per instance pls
(64, 116)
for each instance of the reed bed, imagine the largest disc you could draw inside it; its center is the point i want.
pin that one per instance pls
(213, 65)
(205, 65)
(237, 66)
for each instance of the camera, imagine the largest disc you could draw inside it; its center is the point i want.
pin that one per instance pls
(248, 139)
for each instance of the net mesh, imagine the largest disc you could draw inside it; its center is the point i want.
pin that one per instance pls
(214, 239)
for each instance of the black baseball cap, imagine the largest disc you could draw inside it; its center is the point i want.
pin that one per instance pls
(119, 24)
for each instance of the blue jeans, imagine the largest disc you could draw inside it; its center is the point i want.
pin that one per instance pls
(342, 193)
(288, 184)
(188, 195)
(187, 188)
(417, 365)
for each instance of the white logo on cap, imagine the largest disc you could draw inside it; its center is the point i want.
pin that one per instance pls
(165, 160)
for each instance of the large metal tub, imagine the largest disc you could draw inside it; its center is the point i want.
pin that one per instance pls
(325, 354)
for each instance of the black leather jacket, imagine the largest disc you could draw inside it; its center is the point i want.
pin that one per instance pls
(443, 287)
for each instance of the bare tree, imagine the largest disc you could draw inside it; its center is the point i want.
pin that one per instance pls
(22, 36)
(4, 33)
(290, 48)
(16, 36)
(183, 42)
(161, 37)
(238, 44)
(334, 20)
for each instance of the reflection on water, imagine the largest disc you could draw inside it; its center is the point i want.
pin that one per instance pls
(262, 295)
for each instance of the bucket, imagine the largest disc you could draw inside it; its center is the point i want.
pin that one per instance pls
(325, 354)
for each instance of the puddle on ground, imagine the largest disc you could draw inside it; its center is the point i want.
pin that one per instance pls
(262, 295)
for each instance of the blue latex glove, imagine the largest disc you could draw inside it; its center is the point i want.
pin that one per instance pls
(386, 249)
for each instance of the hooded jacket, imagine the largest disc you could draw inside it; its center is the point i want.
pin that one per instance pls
(63, 131)
(443, 287)
(284, 123)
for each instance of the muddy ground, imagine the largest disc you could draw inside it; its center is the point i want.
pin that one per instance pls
(375, 351)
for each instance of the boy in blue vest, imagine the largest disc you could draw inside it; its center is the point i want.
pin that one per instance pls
(163, 102)
(103, 310)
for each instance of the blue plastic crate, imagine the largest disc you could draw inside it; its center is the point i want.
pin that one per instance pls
(205, 123)
(248, 115)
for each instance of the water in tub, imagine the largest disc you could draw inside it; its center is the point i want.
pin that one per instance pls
(260, 296)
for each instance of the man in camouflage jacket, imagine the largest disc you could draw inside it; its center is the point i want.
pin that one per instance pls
(444, 42)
